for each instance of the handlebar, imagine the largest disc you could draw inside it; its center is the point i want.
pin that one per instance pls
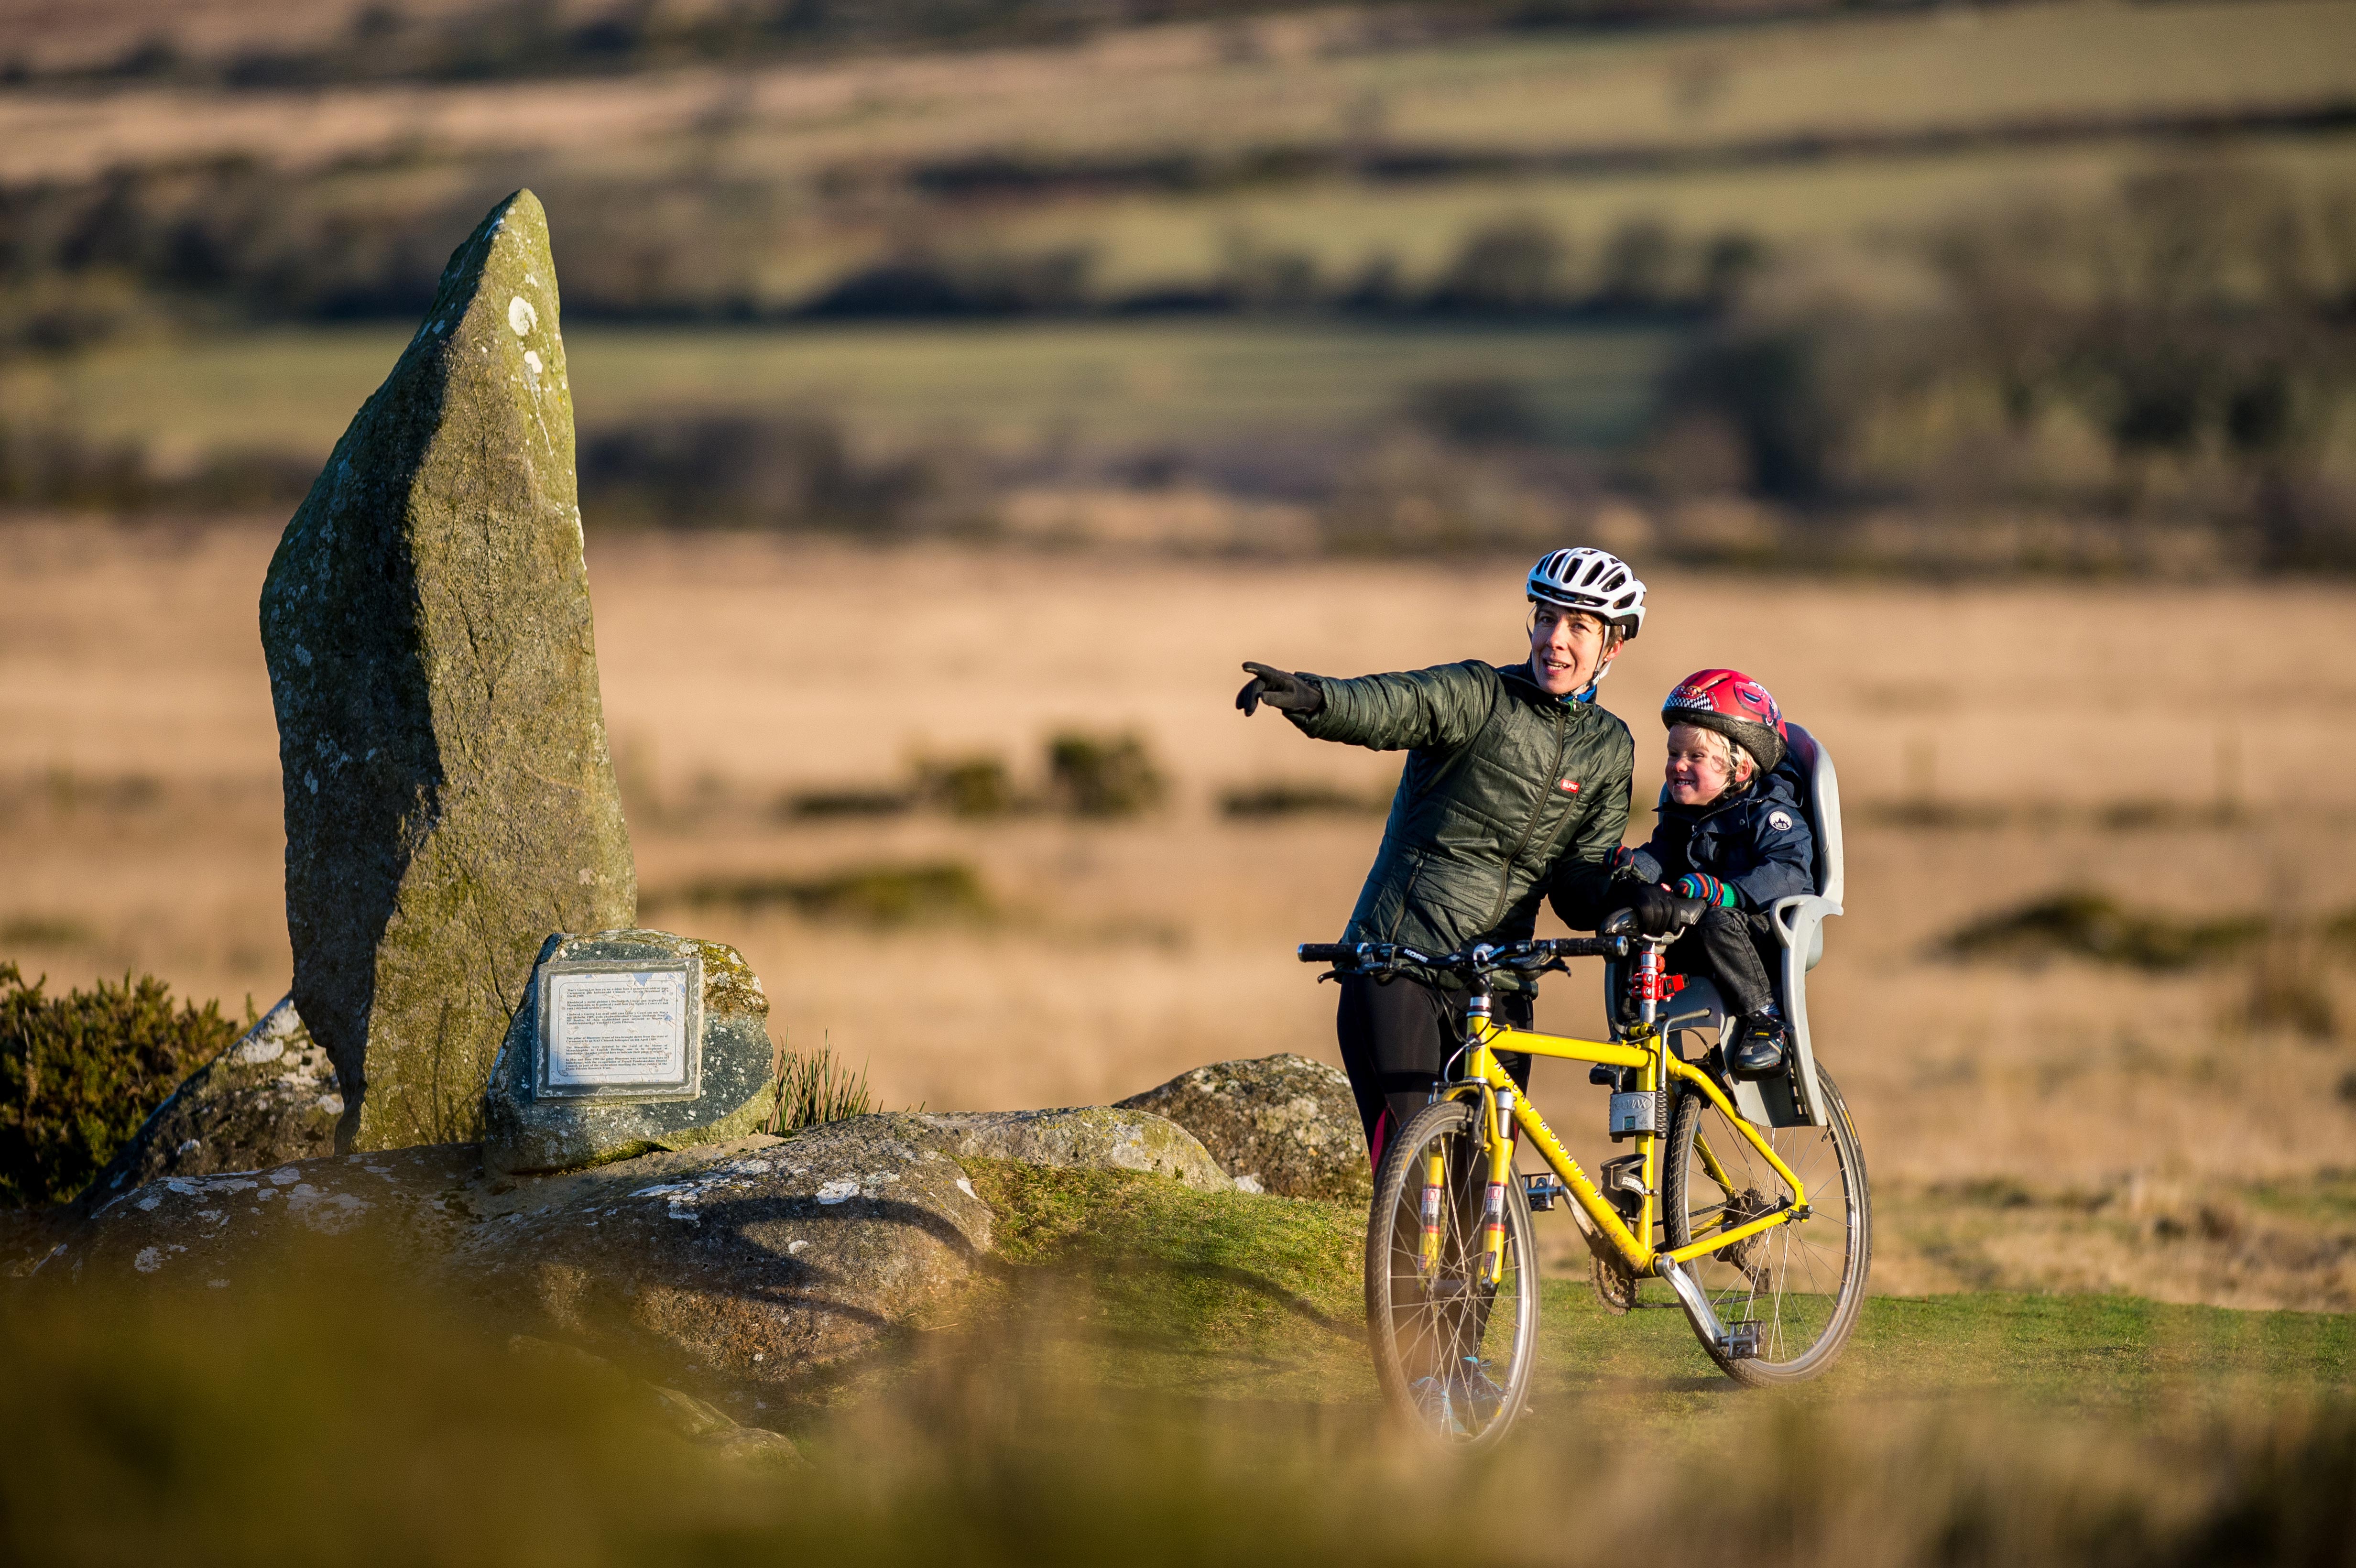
(1374, 957)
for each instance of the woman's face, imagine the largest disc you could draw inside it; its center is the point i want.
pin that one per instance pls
(1698, 772)
(1567, 648)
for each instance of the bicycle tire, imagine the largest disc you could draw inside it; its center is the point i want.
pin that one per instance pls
(1801, 1332)
(1431, 1336)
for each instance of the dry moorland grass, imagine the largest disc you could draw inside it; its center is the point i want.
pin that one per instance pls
(1290, 79)
(2064, 1125)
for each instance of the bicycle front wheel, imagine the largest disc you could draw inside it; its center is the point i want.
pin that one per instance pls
(1454, 1350)
(1802, 1284)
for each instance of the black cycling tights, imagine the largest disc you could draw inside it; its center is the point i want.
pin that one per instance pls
(1395, 1035)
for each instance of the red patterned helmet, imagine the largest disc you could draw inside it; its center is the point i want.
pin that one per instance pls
(1736, 706)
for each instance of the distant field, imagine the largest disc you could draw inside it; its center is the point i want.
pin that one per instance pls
(1159, 148)
(1851, 206)
(1313, 78)
(2062, 1127)
(1009, 385)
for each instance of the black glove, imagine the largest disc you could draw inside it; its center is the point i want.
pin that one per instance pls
(1280, 690)
(1660, 912)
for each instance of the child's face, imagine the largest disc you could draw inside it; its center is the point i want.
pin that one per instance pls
(1698, 772)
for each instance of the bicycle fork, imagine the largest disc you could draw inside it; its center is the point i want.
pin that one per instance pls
(1499, 1142)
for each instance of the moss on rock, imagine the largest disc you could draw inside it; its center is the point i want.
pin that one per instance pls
(1282, 1124)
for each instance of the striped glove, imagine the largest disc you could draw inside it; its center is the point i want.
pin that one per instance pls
(1708, 888)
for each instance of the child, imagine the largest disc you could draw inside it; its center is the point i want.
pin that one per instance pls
(1730, 833)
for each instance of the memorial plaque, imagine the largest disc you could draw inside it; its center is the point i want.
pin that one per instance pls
(621, 1031)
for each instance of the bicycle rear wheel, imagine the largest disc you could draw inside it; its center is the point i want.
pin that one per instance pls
(1454, 1353)
(1802, 1284)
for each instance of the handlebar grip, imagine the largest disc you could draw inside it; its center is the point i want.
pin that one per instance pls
(1587, 946)
(1325, 951)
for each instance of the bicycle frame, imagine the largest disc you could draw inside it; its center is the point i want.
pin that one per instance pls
(1647, 1051)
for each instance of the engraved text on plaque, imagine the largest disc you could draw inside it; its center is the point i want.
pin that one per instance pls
(618, 1030)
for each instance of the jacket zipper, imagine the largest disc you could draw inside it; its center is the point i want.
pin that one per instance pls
(1538, 809)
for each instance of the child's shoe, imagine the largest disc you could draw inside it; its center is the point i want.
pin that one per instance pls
(1762, 1045)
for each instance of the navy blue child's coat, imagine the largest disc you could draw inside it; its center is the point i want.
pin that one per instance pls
(1755, 840)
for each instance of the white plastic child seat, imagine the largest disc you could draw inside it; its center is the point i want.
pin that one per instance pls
(1800, 930)
(1800, 921)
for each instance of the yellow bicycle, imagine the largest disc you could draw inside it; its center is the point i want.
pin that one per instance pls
(1758, 1217)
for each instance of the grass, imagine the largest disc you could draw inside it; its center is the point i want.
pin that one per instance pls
(810, 1089)
(1247, 1297)
(1181, 1415)
(1209, 1294)
(1316, 83)
(1016, 385)
(1167, 1376)
(777, 670)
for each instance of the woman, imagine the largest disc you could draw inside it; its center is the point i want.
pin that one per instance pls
(1515, 789)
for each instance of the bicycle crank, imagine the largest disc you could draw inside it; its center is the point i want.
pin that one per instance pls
(1739, 1344)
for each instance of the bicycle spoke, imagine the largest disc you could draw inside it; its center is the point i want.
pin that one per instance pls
(1452, 1345)
(1790, 1280)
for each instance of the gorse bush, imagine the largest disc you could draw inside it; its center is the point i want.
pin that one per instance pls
(2078, 923)
(80, 1073)
(1103, 775)
(1085, 775)
(883, 894)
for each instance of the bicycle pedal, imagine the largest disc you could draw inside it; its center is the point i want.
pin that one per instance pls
(1742, 1341)
(1543, 1190)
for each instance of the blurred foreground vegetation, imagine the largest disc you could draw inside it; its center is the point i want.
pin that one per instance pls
(1158, 1376)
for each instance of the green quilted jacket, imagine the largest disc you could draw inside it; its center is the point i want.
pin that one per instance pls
(1509, 795)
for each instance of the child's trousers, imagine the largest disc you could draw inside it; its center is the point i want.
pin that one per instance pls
(1733, 948)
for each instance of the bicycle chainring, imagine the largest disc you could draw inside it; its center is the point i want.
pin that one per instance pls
(1615, 1287)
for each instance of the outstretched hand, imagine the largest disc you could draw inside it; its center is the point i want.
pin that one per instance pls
(1280, 690)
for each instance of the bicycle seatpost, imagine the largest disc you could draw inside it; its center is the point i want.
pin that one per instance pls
(1648, 982)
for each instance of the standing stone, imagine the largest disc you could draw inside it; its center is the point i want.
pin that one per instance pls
(450, 799)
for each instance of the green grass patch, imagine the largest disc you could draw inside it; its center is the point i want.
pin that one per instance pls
(1259, 1298)
(1172, 1290)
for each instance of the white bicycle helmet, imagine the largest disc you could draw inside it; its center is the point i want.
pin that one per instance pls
(1594, 580)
